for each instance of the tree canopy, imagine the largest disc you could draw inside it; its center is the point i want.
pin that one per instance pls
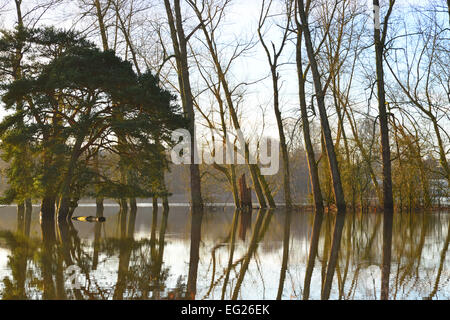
(70, 104)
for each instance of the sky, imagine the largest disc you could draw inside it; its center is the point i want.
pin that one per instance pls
(241, 23)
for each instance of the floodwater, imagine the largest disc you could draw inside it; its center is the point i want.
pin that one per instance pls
(225, 254)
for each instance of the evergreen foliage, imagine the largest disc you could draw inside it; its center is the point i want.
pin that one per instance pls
(70, 104)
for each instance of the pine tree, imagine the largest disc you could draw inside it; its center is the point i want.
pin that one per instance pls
(68, 104)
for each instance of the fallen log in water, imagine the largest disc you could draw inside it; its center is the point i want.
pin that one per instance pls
(89, 219)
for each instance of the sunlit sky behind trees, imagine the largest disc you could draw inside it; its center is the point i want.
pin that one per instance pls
(240, 25)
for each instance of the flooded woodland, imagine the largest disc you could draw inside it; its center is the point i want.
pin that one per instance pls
(224, 149)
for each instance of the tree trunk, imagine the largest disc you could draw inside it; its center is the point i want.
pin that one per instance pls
(194, 253)
(64, 203)
(320, 97)
(313, 249)
(257, 187)
(283, 147)
(123, 205)
(245, 194)
(265, 187)
(234, 186)
(48, 208)
(388, 202)
(133, 204)
(28, 212)
(20, 217)
(312, 165)
(101, 26)
(180, 48)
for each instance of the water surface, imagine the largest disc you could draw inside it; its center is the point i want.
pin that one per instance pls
(225, 254)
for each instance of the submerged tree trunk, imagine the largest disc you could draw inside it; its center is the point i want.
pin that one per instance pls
(245, 194)
(234, 186)
(312, 165)
(133, 204)
(283, 146)
(99, 203)
(274, 64)
(257, 187)
(320, 97)
(28, 212)
(63, 209)
(20, 217)
(388, 202)
(102, 29)
(179, 42)
(123, 205)
(65, 203)
(265, 187)
(155, 204)
(48, 208)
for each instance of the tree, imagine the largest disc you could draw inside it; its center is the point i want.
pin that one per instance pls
(419, 66)
(179, 43)
(71, 106)
(273, 57)
(380, 41)
(209, 18)
(312, 164)
(320, 97)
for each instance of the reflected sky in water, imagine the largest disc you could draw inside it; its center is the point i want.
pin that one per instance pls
(225, 254)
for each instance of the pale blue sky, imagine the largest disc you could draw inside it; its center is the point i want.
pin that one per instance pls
(241, 22)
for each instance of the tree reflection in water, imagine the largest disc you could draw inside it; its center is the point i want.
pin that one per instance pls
(285, 254)
(332, 260)
(314, 242)
(196, 235)
(388, 219)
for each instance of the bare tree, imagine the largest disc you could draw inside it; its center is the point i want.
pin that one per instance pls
(320, 97)
(419, 66)
(312, 164)
(214, 13)
(273, 56)
(179, 42)
(380, 40)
